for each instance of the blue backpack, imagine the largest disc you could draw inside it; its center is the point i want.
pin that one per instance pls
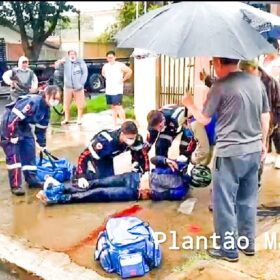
(59, 169)
(127, 246)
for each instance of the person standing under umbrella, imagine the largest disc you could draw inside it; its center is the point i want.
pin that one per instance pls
(272, 87)
(271, 65)
(242, 107)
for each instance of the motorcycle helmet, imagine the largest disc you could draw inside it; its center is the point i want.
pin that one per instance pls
(200, 176)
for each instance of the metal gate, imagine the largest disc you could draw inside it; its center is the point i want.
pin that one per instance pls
(175, 77)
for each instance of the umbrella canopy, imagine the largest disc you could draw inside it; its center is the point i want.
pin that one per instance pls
(265, 23)
(189, 29)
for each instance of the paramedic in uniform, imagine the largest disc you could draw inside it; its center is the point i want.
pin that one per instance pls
(17, 138)
(107, 144)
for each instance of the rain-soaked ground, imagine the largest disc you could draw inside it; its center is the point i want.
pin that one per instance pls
(61, 227)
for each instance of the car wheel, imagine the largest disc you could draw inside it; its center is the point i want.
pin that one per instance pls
(96, 82)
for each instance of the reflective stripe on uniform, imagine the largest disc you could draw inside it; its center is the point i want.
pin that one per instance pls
(41, 126)
(167, 137)
(177, 112)
(184, 143)
(137, 148)
(18, 113)
(106, 135)
(93, 152)
(13, 166)
(29, 167)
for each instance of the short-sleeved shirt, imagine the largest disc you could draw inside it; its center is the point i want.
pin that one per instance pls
(114, 77)
(239, 101)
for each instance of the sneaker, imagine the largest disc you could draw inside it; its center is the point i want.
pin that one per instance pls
(18, 191)
(269, 159)
(249, 251)
(277, 162)
(219, 254)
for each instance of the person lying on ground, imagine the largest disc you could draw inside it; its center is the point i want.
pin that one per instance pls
(168, 181)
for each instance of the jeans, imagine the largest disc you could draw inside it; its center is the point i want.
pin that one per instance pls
(235, 189)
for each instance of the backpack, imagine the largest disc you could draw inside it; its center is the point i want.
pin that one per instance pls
(127, 246)
(59, 169)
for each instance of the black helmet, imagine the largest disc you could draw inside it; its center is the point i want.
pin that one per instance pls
(200, 176)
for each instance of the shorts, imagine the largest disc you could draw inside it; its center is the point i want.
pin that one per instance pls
(79, 97)
(114, 99)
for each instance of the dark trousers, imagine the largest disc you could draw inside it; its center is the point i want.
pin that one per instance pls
(275, 138)
(123, 187)
(21, 157)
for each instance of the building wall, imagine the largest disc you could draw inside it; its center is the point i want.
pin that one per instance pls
(14, 51)
(9, 35)
(98, 50)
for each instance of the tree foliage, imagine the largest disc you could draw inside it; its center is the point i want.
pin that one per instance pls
(35, 20)
(126, 16)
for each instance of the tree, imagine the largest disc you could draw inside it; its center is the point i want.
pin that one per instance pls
(36, 21)
(126, 16)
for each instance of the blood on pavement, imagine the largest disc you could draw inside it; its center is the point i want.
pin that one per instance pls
(94, 234)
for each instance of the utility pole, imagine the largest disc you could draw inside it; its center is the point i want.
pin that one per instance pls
(145, 7)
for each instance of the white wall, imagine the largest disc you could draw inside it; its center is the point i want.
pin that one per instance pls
(144, 88)
(9, 35)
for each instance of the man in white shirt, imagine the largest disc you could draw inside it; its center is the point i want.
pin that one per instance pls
(115, 73)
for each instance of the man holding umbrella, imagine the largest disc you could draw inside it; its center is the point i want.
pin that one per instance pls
(241, 103)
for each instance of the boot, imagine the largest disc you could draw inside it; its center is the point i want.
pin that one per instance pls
(18, 191)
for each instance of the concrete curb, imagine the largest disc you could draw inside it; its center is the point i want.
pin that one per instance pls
(44, 263)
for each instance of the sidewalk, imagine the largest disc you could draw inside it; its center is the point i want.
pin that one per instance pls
(46, 234)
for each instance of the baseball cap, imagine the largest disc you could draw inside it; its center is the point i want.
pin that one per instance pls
(248, 63)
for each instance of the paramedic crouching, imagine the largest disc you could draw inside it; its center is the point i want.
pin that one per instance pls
(107, 144)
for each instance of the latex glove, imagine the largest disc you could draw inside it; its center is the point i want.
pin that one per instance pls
(83, 183)
(50, 181)
(182, 158)
(14, 140)
(190, 167)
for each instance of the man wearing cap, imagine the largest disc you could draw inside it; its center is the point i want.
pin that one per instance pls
(21, 79)
(272, 87)
(236, 97)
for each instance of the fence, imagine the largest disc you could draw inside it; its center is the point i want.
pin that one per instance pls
(175, 77)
